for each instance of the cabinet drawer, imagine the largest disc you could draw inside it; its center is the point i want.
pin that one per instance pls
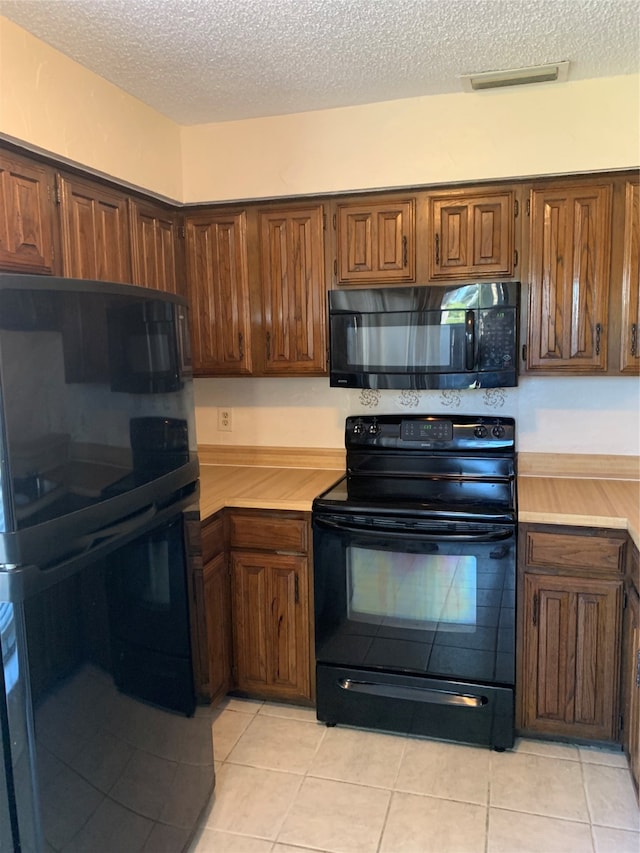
(574, 551)
(268, 533)
(212, 538)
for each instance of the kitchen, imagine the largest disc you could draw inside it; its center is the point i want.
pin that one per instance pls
(117, 136)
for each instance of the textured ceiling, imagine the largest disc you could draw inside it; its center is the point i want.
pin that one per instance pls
(200, 61)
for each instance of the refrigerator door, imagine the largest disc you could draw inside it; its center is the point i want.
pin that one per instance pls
(107, 754)
(20, 826)
(96, 409)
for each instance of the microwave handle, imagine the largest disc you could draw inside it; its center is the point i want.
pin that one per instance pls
(470, 340)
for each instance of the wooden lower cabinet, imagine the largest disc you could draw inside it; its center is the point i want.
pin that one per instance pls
(570, 631)
(211, 620)
(270, 603)
(571, 649)
(270, 624)
(252, 614)
(631, 674)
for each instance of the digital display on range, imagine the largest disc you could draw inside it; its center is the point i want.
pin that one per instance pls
(440, 430)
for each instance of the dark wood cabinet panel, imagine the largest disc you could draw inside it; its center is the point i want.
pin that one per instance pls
(293, 290)
(570, 609)
(572, 637)
(217, 603)
(211, 612)
(630, 327)
(600, 554)
(376, 242)
(26, 216)
(95, 232)
(271, 603)
(569, 253)
(472, 236)
(154, 244)
(270, 623)
(631, 686)
(218, 288)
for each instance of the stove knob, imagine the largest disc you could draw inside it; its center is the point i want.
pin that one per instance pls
(374, 429)
(358, 429)
(498, 431)
(480, 431)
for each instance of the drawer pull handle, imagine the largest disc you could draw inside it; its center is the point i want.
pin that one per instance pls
(437, 249)
(634, 339)
(598, 333)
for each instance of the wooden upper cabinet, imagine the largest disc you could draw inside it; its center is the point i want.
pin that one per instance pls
(26, 216)
(569, 261)
(629, 343)
(293, 290)
(376, 242)
(95, 232)
(154, 240)
(218, 288)
(472, 236)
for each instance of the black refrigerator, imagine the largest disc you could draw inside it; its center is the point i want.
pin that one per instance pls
(103, 748)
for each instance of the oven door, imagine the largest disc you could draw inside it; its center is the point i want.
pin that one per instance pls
(432, 598)
(415, 625)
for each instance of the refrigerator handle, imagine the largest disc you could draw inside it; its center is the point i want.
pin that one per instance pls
(19, 583)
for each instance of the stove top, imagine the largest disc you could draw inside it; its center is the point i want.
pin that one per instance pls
(458, 467)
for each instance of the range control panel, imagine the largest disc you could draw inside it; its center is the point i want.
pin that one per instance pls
(437, 432)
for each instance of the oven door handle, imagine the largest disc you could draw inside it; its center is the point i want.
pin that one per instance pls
(413, 533)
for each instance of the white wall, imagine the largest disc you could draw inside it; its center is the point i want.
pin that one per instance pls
(55, 105)
(580, 415)
(52, 103)
(545, 128)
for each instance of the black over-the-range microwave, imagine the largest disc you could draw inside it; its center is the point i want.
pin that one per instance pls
(425, 337)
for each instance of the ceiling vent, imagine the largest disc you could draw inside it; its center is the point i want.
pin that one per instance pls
(554, 72)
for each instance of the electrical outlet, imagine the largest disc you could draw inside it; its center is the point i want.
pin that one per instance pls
(224, 420)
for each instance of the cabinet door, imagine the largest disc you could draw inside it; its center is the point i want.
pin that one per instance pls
(570, 248)
(217, 602)
(571, 642)
(376, 242)
(271, 637)
(218, 287)
(629, 343)
(153, 246)
(95, 233)
(26, 216)
(472, 236)
(293, 291)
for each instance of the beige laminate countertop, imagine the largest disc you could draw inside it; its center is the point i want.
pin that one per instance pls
(582, 501)
(261, 488)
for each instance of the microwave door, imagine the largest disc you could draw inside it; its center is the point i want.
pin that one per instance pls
(407, 342)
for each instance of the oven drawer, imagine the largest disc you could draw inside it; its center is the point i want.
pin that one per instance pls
(473, 713)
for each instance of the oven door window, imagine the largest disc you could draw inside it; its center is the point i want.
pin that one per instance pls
(414, 591)
(441, 606)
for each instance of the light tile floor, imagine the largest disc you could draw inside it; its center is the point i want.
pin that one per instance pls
(288, 784)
